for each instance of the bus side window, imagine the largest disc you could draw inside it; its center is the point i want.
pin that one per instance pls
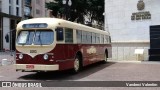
(97, 38)
(79, 36)
(84, 37)
(60, 36)
(93, 38)
(89, 37)
(105, 39)
(102, 39)
(68, 35)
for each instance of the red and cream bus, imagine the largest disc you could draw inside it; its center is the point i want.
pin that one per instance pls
(50, 44)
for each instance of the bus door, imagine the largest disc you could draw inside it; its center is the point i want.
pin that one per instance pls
(69, 43)
(60, 48)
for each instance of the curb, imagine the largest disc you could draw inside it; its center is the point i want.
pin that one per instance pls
(134, 61)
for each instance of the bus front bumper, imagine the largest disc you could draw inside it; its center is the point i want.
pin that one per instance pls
(36, 67)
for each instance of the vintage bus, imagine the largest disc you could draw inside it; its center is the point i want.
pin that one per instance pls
(51, 44)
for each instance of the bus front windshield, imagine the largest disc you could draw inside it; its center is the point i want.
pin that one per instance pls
(35, 37)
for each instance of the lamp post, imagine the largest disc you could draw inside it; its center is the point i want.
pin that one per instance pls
(67, 4)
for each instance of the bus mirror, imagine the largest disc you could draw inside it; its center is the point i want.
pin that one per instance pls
(7, 38)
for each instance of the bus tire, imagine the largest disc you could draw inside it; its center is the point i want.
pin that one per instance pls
(77, 64)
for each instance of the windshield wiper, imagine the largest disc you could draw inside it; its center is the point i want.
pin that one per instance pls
(40, 38)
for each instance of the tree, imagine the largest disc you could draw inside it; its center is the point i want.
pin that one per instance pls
(79, 8)
(95, 10)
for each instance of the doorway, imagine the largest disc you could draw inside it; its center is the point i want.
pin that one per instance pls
(154, 51)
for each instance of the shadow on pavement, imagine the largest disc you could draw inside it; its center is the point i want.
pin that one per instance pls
(66, 75)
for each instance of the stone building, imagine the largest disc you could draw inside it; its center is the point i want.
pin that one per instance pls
(12, 12)
(10, 15)
(133, 24)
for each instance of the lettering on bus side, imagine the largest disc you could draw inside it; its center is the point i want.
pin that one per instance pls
(33, 51)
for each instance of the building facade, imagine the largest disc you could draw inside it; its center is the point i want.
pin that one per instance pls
(12, 12)
(35, 9)
(10, 15)
(130, 22)
(27, 9)
(38, 8)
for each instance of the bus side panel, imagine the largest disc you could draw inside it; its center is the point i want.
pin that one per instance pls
(109, 51)
(100, 52)
(66, 60)
(64, 55)
(87, 58)
(95, 52)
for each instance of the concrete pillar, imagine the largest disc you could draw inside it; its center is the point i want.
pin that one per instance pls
(6, 29)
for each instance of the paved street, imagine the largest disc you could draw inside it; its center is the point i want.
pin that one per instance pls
(97, 72)
(112, 71)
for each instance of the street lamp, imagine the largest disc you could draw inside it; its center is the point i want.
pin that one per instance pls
(67, 4)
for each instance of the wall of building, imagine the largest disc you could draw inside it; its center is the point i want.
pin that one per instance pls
(126, 50)
(121, 26)
(118, 21)
(11, 5)
(16, 5)
(11, 11)
(5, 6)
(5, 23)
(6, 29)
(38, 8)
(27, 9)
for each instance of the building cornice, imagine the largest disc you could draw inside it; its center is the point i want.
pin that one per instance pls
(10, 16)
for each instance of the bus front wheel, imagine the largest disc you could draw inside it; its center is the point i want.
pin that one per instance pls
(77, 64)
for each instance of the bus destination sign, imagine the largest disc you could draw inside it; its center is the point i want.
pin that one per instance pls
(35, 25)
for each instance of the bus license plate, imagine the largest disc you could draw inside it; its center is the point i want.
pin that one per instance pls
(30, 66)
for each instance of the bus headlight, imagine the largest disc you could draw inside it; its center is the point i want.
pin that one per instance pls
(45, 57)
(20, 56)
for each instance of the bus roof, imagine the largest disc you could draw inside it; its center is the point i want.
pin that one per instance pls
(55, 22)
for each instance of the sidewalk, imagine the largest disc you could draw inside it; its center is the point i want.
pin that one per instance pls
(9, 56)
(135, 61)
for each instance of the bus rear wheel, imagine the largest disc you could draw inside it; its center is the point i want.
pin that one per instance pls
(77, 64)
(105, 58)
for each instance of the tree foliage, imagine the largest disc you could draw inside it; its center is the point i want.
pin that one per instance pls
(92, 8)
